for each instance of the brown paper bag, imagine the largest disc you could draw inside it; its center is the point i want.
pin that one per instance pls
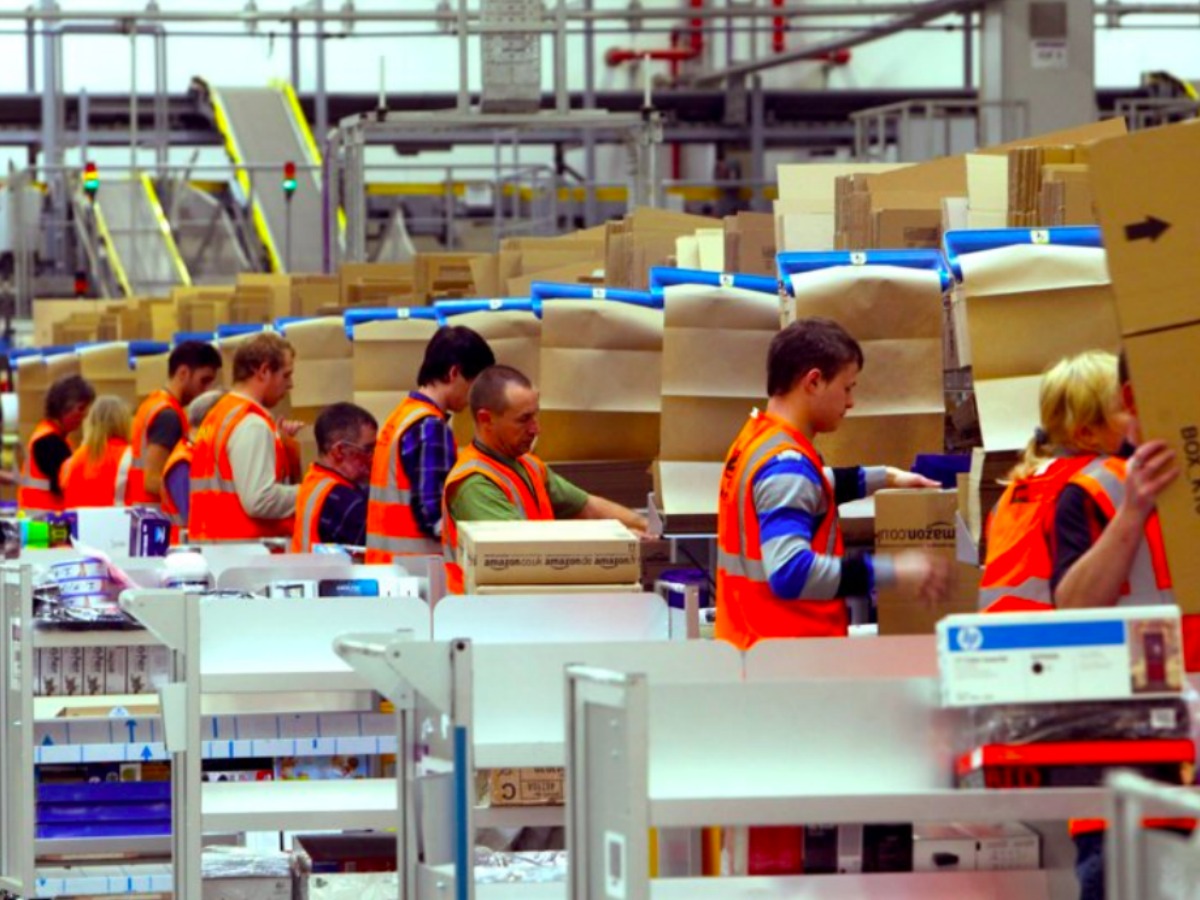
(324, 362)
(600, 380)
(896, 315)
(1026, 307)
(387, 356)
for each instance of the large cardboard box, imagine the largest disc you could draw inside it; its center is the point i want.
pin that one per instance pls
(571, 552)
(1151, 227)
(324, 362)
(526, 787)
(107, 367)
(921, 520)
(149, 374)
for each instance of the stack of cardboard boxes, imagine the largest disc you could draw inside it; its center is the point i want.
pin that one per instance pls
(1049, 186)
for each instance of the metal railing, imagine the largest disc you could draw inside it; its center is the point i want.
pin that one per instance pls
(916, 130)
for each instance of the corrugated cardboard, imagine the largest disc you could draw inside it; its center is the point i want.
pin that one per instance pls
(907, 520)
(601, 380)
(106, 366)
(310, 293)
(377, 284)
(1154, 269)
(149, 374)
(49, 311)
(324, 362)
(387, 354)
(526, 787)
(896, 315)
(560, 552)
(750, 243)
(273, 288)
(515, 338)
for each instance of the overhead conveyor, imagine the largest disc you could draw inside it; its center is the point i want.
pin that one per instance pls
(263, 129)
(137, 254)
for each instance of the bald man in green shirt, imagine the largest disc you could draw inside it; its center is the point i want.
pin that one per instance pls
(498, 478)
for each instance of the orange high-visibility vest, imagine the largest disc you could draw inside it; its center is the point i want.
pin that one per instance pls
(158, 403)
(532, 505)
(1149, 582)
(181, 455)
(392, 529)
(215, 512)
(747, 610)
(33, 486)
(102, 482)
(315, 487)
(1020, 562)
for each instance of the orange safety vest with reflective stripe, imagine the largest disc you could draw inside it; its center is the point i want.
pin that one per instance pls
(318, 482)
(1149, 583)
(1020, 562)
(97, 483)
(33, 485)
(532, 505)
(392, 529)
(747, 610)
(215, 512)
(158, 403)
(182, 454)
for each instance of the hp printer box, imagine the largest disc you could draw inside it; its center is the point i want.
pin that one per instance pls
(1117, 653)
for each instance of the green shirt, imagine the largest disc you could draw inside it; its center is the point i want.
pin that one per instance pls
(478, 499)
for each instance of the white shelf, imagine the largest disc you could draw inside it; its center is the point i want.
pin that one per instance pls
(534, 754)
(892, 885)
(126, 847)
(520, 816)
(300, 805)
(949, 805)
(96, 880)
(47, 638)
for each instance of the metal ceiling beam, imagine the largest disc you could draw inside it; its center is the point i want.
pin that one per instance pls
(918, 14)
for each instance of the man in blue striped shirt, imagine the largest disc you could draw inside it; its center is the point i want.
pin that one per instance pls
(783, 571)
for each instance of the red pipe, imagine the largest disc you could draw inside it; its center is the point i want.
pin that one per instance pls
(674, 54)
(778, 29)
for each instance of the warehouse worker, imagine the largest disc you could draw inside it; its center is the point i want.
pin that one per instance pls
(97, 473)
(497, 478)
(1082, 418)
(161, 420)
(331, 507)
(177, 470)
(781, 570)
(66, 405)
(415, 450)
(240, 465)
(1108, 551)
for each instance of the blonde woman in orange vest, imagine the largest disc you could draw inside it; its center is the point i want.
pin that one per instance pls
(1108, 551)
(1082, 418)
(161, 420)
(66, 406)
(331, 507)
(240, 465)
(781, 567)
(498, 478)
(415, 450)
(96, 474)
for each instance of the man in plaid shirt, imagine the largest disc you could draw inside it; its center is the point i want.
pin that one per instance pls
(404, 513)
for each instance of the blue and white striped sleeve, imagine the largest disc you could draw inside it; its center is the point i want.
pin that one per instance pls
(789, 499)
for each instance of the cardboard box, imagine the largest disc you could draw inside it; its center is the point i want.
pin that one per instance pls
(324, 362)
(1150, 230)
(106, 366)
(485, 590)
(387, 355)
(556, 552)
(526, 787)
(1119, 653)
(921, 520)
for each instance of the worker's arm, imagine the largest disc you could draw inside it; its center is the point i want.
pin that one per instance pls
(600, 508)
(252, 457)
(1097, 576)
(164, 433)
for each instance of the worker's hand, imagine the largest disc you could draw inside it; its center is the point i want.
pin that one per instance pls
(1149, 471)
(898, 478)
(291, 427)
(922, 575)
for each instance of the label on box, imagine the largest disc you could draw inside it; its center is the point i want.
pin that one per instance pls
(526, 787)
(1045, 659)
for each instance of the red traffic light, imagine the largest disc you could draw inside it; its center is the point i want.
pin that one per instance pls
(91, 178)
(289, 177)
(81, 284)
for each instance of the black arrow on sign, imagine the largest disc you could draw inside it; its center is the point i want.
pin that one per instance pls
(1151, 229)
